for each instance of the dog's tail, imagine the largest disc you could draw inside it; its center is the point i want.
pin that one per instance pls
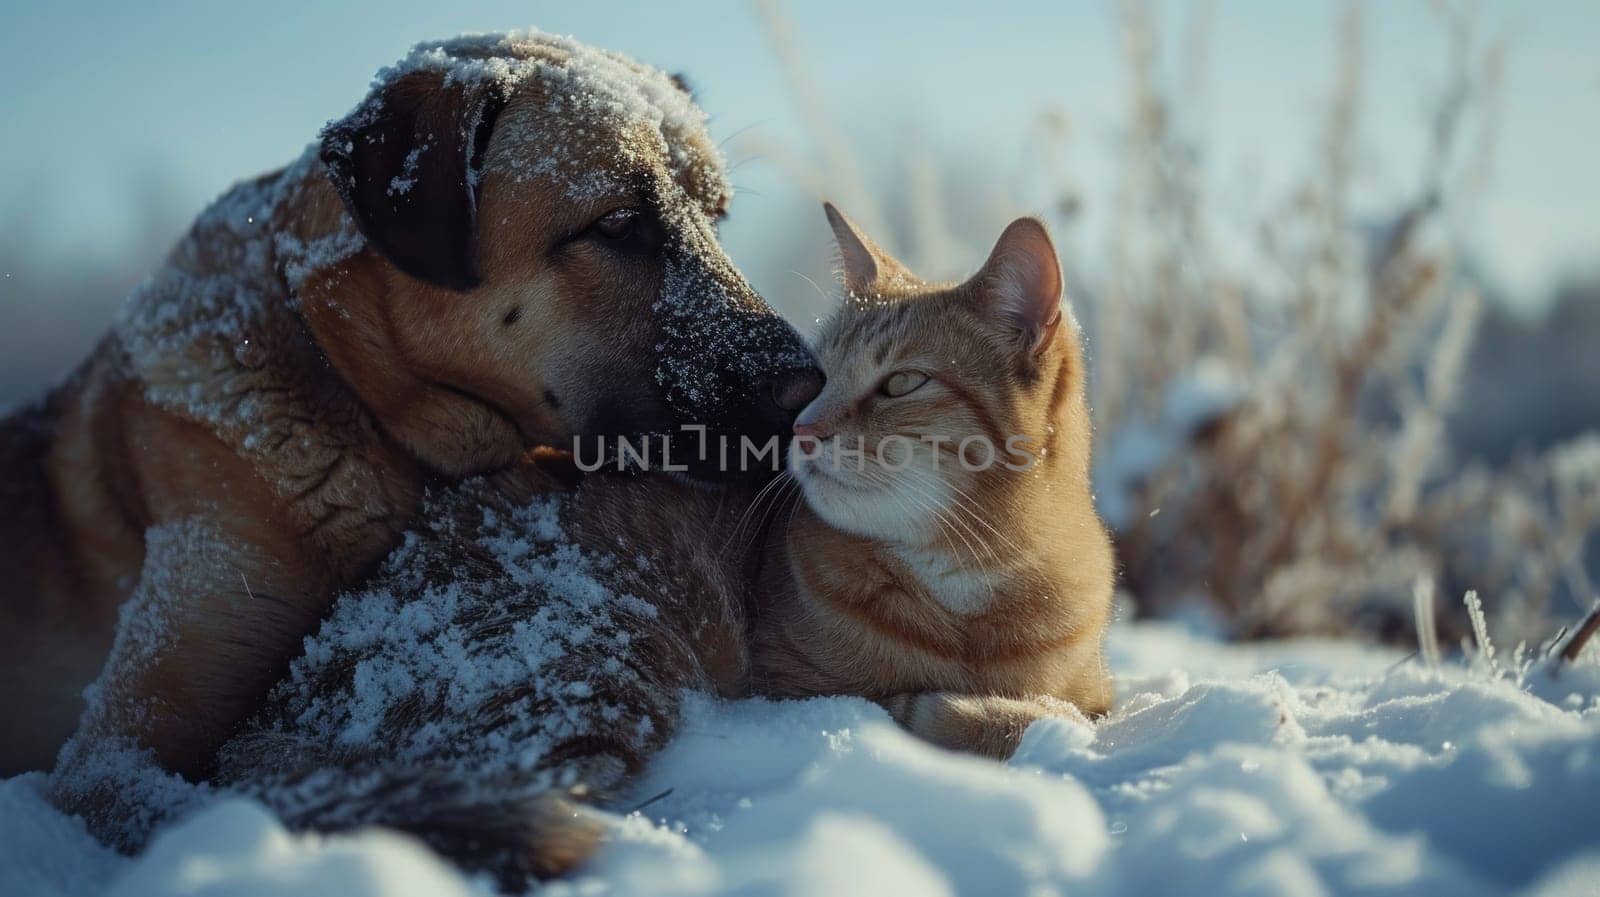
(517, 827)
(516, 834)
(517, 837)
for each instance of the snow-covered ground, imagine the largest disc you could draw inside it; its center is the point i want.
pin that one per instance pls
(1303, 768)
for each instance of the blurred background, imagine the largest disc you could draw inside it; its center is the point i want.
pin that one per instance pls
(1337, 262)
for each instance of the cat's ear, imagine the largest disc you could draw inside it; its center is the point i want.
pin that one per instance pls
(866, 267)
(1021, 284)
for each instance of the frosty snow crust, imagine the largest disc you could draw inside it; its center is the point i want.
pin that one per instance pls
(412, 648)
(492, 664)
(1338, 774)
(200, 331)
(577, 83)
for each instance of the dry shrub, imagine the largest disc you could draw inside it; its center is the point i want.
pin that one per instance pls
(1271, 436)
(1301, 479)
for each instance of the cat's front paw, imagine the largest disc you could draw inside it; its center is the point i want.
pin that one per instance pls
(987, 725)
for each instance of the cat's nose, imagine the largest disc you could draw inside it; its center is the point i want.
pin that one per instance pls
(817, 430)
(817, 421)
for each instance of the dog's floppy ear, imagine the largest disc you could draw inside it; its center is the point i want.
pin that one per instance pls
(406, 164)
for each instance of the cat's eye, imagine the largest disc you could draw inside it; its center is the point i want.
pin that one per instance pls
(901, 382)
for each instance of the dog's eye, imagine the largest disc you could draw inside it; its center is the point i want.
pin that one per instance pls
(901, 382)
(626, 230)
(617, 225)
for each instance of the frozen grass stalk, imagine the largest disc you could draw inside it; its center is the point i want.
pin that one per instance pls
(1427, 633)
(1480, 632)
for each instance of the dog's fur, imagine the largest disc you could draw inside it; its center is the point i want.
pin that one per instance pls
(523, 656)
(424, 295)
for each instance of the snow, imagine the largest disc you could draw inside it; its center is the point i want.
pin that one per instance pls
(421, 651)
(237, 848)
(200, 333)
(43, 852)
(143, 794)
(1289, 768)
(592, 91)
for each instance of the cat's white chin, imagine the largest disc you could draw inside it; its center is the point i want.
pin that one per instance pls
(852, 505)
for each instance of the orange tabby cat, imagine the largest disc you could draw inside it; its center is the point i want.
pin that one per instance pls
(947, 560)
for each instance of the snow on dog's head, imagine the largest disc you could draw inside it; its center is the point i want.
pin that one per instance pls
(552, 207)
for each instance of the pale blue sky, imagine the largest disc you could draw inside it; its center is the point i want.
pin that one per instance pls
(102, 100)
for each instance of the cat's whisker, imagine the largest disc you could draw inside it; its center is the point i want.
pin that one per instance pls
(790, 493)
(926, 501)
(735, 535)
(796, 499)
(967, 506)
(889, 481)
(909, 504)
(943, 512)
(966, 503)
(949, 524)
(927, 490)
(762, 504)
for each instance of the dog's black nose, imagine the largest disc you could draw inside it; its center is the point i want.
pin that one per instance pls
(795, 389)
(779, 398)
(767, 421)
(749, 440)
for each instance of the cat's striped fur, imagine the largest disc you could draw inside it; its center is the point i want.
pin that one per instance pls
(968, 603)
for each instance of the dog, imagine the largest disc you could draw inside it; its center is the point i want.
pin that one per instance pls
(509, 242)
